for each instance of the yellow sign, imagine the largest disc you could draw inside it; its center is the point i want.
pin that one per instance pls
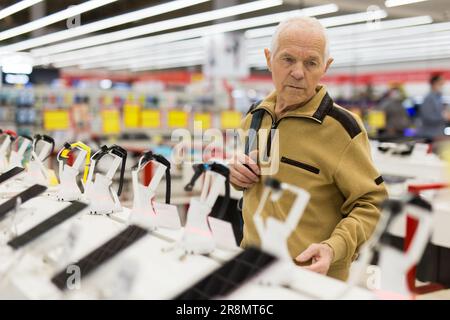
(177, 119)
(231, 119)
(56, 120)
(132, 116)
(203, 119)
(376, 119)
(151, 118)
(111, 121)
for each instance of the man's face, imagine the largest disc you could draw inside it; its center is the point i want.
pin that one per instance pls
(439, 85)
(298, 64)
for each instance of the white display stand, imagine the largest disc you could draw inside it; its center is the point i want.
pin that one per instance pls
(146, 212)
(99, 193)
(16, 157)
(68, 175)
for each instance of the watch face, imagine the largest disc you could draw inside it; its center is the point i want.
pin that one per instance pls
(230, 276)
(47, 225)
(102, 254)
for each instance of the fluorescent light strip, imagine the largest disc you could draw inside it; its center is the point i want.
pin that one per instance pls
(149, 59)
(399, 33)
(103, 24)
(104, 51)
(159, 26)
(396, 3)
(8, 11)
(374, 53)
(327, 22)
(71, 60)
(192, 33)
(162, 63)
(382, 25)
(170, 66)
(385, 60)
(443, 36)
(58, 16)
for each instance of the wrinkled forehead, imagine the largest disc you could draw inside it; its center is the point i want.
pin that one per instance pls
(302, 38)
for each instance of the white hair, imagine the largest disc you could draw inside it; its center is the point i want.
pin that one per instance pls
(301, 21)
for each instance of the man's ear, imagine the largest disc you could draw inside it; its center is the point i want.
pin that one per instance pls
(329, 62)
(268, 55)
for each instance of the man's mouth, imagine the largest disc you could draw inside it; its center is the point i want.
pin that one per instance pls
(295, 87)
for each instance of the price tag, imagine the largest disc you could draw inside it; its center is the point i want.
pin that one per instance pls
(223, 234)
(167, 215)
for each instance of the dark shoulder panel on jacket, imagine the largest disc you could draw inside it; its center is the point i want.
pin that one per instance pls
(346, 119)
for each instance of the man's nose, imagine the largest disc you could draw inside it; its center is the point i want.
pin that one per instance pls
(297, 72)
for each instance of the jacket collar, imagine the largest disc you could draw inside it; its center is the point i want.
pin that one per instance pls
(316, 108)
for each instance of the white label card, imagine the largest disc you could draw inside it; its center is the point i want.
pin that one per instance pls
(167, 215)
(222, 233)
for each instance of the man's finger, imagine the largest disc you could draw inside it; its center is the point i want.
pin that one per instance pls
(308, 254)
(244, 159)
(239, 176)
(246, 172)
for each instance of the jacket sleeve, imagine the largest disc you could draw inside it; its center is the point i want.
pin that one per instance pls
(363, 191)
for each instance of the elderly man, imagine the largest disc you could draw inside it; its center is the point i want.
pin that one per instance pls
(322, 148)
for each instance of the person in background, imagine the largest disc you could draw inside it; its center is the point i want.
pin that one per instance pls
(397, 119)
(432, 114)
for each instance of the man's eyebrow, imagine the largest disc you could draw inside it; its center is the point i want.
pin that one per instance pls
(314, 57)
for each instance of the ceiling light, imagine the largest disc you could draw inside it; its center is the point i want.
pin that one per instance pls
(396, 3)
(58, 16)
(103, 24)
(19, 6)
(159, 26)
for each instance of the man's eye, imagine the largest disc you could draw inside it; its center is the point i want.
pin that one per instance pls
(312, 63)
(287, 59)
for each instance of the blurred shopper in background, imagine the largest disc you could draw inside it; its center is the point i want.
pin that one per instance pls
(397, 119)
(432, 114)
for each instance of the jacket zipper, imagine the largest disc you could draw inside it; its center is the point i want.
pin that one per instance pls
(275, 126)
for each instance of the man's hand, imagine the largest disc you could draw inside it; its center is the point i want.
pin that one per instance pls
(321, 254)
(244, 172)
